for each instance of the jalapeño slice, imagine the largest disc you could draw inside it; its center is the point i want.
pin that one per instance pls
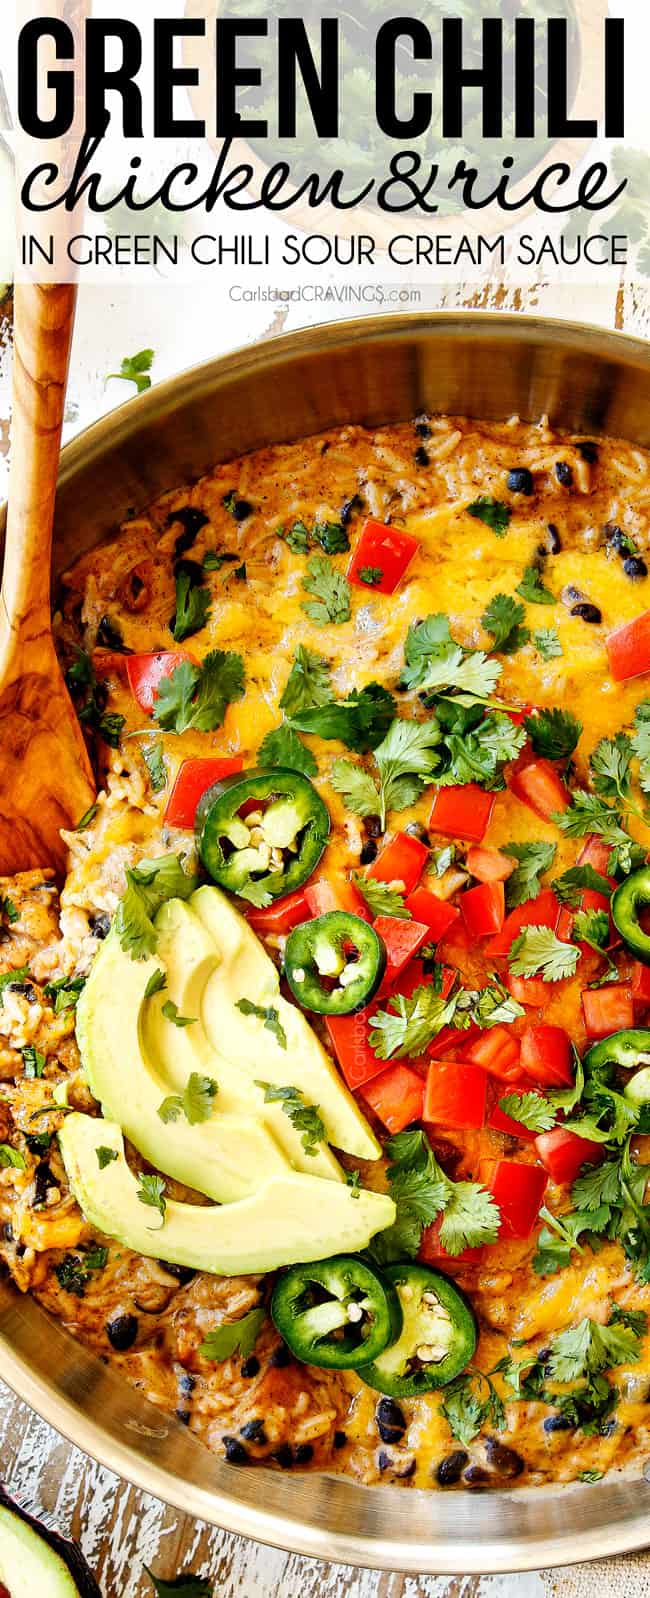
(628, 1050)
(335, 963)
(628, 902)
(438, 1337)
(261, 833)
(337, 1313)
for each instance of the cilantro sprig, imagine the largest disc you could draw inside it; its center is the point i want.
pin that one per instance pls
(148, 886)
(422, 1192)
(533, 860)
(538, 952)
(198, 696)
(196, 1103)
(405, 761)
(233, 1337)
(330, 590)
(504, 618)
(304, 1117)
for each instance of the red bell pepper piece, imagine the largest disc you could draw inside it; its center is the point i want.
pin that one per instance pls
(193, 778)
(640, 984)
(498, 1121)
(438, 914)
(518, 713)
(349, 1039)
(533, 991)
(546, 1056)
(455, 1095)
(451, 1041)
(595, 853)
(323, 895)
(282, 915)
(384, 550)
(497, 1051)
(462, 812)
(518, 1190)
(401, 940)
(402, 859)
(628, 648)
(489, 865)
(540, 912)
(590, 899)
(396, 1097)
(483, 909)
(563, 1153)
(146, 672)
(539, 785)
(609, 1009)
(431, 1250)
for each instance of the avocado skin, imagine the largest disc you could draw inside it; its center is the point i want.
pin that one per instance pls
(64, 1572)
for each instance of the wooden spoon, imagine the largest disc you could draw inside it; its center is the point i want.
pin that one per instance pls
(46, 780)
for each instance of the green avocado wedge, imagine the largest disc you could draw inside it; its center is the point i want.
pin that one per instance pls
(290, 1219)
(28, 1565)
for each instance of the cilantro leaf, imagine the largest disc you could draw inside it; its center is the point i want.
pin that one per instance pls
(524, 882)
(469, 1403)
(331, 591)
(136, 369)
(589, 1348)
(592, 927)
(371, 575)
(105, 1156)
(192, 607)
(475, 746)
(269, 1015)
(356, 787)
(197, 696)
(152, 754)
(304, 1117)
(610, 767)
(537, 951)
(568, 887)
(470, 1218)
(553, 733)
(434, 662)
(11, 1158)
(361, 721)
(419, 1190)
(157, 982)
(588, 813)
(532, 588)
(308, 684)
(405, 759)
(381, 899)
(503, 618)
(196, 1103)
(233, 1337)
(530, 1109)
(548, 644)
(90, 697)
(170, 1012)
(184, 1586)
(151, 1191)
(148, 886)
(410, 1024)
(491, 511)
(331, 536)
(33, 1061)
(283, 747)
(561, 1235)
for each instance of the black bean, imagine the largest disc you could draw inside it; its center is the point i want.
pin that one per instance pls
(136, 585)
(26, 990)
(476, 1476)
(283, 1456)
(588, 612)
(553, 540)
(634, 566)
(616, 538)
(192, 520)
(100, 925)
(451, 1469)
(564, 474)
(280, 1357)
(304, 1452)
(348, 508)
(181, 1273)
(520, 480)
(8, 1232)
(43, 1180)
(109, 635)
(183, 1415)
(416, 830)
(191, 569)
(505, 1460)
(254, 1432)
(571, 594)
(250, 1367)
(368, 852)
(186, 1383)
(339, 1439)
(422, 428)
(241, 509)
(588, 450)
(384, 1460)
(557, 1423)
(421, 458)
(373, 826)
(234, 1451)
(122, 1332)
(391, 1421)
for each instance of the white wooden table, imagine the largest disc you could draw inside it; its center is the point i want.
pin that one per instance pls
(120, 1529)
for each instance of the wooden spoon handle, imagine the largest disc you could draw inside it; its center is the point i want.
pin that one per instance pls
(44, 315)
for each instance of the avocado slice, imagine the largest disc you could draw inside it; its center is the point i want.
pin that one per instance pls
(291, 1218)
(28, 1565)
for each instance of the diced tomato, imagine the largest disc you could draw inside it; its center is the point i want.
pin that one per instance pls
(146, 672)
(540, 912)
(489, 865)
(546, 1056)
(563, 1153)
(498, 1121)
(349, 1039)
(538, 785)
(595, 853)
(462, 812)
(192, 780)
(518, 714)
(628, 648)
(401, 940)
(396, 1097)
(436, 913)
(384, 551)
(455, 1095)
(533, 991)
(431, 1250)
(483, 909)
(282, 915)
(497, 1051)
(589, 899)
(640, 984)
(323, 895)
(518, 1190)
(402, 859)
(609, 1009)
